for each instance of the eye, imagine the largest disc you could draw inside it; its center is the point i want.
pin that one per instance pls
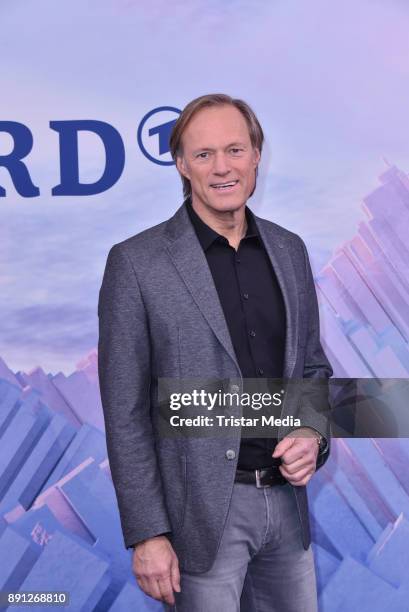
(203, 155)
(236, 151)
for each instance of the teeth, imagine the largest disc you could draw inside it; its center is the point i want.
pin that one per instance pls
(222, 185)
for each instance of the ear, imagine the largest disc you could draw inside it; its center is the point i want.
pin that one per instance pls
(257, 156)
(182, 167)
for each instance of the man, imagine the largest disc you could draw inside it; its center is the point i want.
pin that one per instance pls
(217, 293)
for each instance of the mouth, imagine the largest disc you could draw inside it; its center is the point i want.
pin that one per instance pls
(227, 186)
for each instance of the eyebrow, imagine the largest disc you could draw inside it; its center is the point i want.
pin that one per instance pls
(232, 144)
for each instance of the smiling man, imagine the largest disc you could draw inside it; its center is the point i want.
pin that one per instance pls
(215, 292)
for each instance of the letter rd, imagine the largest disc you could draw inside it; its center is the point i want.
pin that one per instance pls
(68, 131)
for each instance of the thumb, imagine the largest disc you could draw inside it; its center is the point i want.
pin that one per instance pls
(175, 575)
(282, 446)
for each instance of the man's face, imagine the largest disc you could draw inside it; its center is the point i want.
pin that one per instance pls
(217, 151)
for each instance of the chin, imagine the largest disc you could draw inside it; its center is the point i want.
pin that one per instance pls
(226, 204)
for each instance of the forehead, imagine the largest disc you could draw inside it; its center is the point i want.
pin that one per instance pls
(216, 125)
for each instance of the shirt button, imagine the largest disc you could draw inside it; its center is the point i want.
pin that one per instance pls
(230, 454)
(238, 260)
(246, 296)
(252, 333)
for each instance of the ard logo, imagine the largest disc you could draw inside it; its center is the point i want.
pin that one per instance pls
(152, 136)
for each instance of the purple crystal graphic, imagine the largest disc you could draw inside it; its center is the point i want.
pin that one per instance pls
(59, 523)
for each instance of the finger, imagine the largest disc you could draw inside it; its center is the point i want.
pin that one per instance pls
(175, 576)
(292, 455)
(153, 589)
(282, 446)
(302, 447)
(146, 587)
(298, 473)
(309, 457)
(304, 480)
(299, 464)
(301, 477)
(165, 587)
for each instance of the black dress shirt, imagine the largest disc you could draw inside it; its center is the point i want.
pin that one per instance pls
(254, 310)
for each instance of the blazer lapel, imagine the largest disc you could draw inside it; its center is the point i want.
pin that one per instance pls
(187, 255)
(278, 249)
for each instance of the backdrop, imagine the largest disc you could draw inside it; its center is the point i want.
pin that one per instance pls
(89, 92)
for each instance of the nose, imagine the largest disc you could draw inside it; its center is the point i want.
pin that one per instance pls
(221, 165)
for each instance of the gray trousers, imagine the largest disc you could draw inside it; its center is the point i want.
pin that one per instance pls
(261, 565)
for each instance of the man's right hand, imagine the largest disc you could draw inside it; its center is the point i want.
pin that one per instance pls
(156, 568)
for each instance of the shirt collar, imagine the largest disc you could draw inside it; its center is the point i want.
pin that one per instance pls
(207, 235)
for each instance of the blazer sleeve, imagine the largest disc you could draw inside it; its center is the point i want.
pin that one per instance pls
(315, 405)
(124, 376)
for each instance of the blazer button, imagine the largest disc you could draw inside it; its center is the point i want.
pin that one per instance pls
(230, 454)
(234, 388)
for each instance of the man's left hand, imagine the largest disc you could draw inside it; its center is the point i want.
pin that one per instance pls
(298, 452)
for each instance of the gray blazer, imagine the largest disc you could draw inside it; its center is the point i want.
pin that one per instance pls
(160, 316)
